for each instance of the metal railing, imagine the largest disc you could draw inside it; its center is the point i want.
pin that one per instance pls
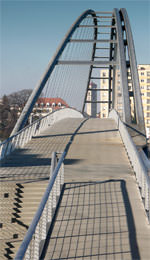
(24, 136)
(139, 161)
(32, 245)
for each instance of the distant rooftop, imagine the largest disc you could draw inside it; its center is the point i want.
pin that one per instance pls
(57, 102)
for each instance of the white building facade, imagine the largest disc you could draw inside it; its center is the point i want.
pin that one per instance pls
(91, 107)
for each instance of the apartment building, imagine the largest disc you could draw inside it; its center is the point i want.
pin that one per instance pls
(104, 93)
(91, 107)
(144, 79)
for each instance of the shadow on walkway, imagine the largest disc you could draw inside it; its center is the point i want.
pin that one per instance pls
(80, 133)
(94, 220)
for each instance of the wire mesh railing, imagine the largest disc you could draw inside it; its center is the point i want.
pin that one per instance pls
(21, 138)
(140, 163)
(31, 247)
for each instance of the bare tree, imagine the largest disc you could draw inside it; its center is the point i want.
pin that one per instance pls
(8, 118)
(10, 108)
(19, 99)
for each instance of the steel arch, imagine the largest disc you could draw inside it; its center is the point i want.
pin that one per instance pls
(38, 89)
(134, 72)
(123, 69)
(117, 58)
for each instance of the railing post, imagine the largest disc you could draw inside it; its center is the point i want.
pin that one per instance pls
(58, 184)
(33, 242)
(25, 135)
(37, 242)
(50, 208)
(54, 195)
(53, 163)
(143, 187)
(43, 224)
(62, 174)
(147, 199)
(32, 131)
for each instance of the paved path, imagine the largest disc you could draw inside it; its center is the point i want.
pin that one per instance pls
(101, 215)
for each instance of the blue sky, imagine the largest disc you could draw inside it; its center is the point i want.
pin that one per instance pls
(32, 30)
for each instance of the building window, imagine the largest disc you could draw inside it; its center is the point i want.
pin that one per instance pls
(148, 80)
(148, 94)
(148, 73)
(47, 104)
(148, 87)
(129, 74)
(53, 104)
(104, 74)
(142, 73)
(142, 80)
(148, 115)
(142, 87)
(59, 104)
(148, 121)
(142, 94)
(104, 81)
(148, 108)
(148, 101)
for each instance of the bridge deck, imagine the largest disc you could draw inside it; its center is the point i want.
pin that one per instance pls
(100, 215)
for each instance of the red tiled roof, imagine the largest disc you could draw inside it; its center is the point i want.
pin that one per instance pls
(52, 100)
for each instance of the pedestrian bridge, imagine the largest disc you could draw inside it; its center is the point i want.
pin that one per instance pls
(73, 186)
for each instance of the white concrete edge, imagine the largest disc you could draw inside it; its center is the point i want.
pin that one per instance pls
(66, 113)
(142, 158)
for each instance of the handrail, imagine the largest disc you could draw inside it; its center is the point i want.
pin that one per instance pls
(140, 163)
(14, 141)
(34, 229)
(26, 127)
(22, 137)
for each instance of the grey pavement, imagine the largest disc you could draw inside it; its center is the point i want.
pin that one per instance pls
(101, 215)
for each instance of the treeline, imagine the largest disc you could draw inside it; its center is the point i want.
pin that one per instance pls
(10, 108)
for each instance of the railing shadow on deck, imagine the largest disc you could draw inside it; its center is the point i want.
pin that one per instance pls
(70, 134)
(93, 219)
(29, 160)
(23, 158)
